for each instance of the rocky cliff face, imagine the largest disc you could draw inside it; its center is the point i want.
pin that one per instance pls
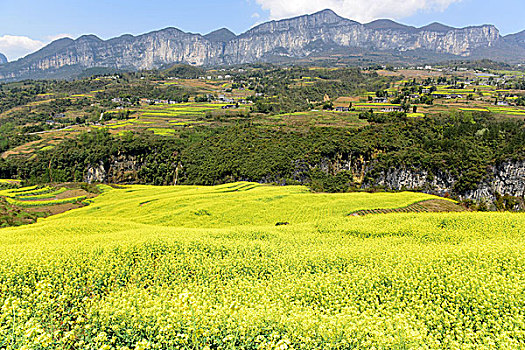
(295, 38)
(301, 36)
(507, 178)
(118, 169)
(504, 179)
(3, 59)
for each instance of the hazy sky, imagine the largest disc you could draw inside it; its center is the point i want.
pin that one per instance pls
(27, 25)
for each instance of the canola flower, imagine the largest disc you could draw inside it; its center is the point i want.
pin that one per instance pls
(206, 268)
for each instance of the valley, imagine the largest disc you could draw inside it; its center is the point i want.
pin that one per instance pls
(188, 117)
(314, 182)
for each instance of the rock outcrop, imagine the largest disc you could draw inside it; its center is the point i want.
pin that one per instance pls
(3, 59)
(504, 179)
(118, 169)
(291, 38)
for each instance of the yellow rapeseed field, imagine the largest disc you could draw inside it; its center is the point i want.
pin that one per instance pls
(193, 267)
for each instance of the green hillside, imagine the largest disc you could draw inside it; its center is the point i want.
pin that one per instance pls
(207, 268)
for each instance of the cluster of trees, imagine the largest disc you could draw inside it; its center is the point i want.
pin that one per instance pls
(284, 91)
(143, 89)
(13, 95)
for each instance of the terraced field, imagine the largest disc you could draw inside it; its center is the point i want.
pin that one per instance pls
(196, 267)
(181, 110)
(20, 206)
(237, 204)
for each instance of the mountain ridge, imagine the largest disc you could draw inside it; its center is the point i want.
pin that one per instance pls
(293, 38)
(220, 35)
(517, 38)
(3, 59)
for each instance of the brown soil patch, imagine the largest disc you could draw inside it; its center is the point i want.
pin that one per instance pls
(345, 101)
(440, 205)
(74, 193)
(430, 206)
(55, 209)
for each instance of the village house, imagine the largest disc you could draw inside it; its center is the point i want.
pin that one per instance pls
(392, 109)
(380, 100)
(120, 101)
(158, 102)
(446, 96)
(223, 98)
(342, 109)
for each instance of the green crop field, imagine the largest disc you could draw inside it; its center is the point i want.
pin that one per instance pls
(180, 110)
(247, 266)
(162, 131)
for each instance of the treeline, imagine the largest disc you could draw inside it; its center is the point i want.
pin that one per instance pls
(464, 145)
(19, 94)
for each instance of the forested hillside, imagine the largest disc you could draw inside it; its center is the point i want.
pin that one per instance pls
(333, 129)
(328, 159)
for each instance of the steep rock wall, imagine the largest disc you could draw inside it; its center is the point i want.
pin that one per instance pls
(506, 178)
(297, 37)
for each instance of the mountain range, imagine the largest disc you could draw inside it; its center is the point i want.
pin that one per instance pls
(3, 59)
(322, 34)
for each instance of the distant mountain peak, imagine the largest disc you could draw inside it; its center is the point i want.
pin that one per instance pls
(436, 27)
(3, 59)
(326, 15)
(89, 38)
(59, 43)
(315, 20)
(387, 24)
(325, 12)
(516, 39)
(221, 35)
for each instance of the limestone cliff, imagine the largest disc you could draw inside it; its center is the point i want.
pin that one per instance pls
(293, 38)
(503, 179)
